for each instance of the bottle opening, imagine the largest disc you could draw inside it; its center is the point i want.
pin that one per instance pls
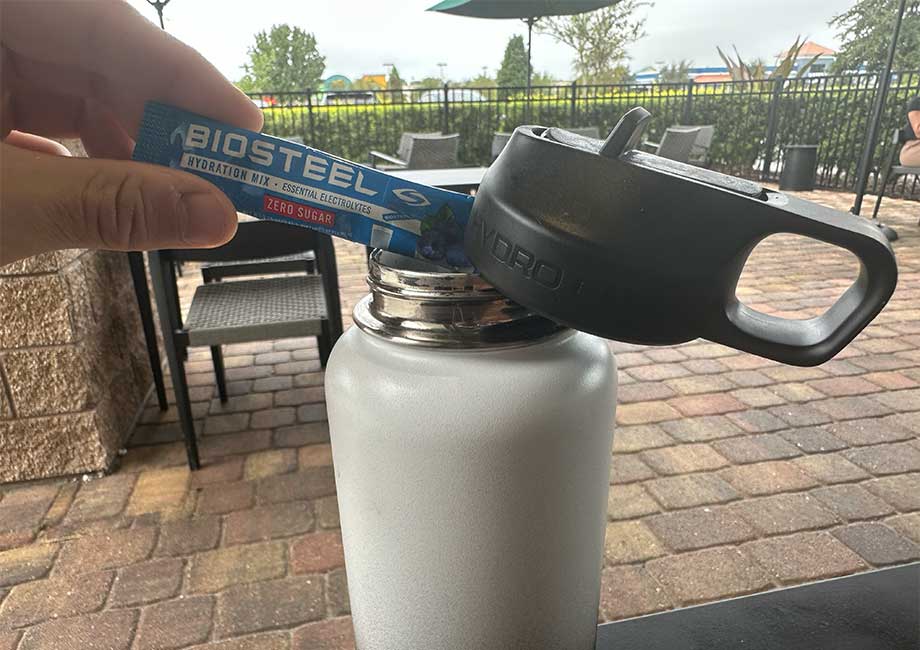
(418, 303)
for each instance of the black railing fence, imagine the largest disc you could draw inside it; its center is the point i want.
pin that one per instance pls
(754, 120)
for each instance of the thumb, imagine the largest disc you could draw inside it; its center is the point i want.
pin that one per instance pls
(51, 202)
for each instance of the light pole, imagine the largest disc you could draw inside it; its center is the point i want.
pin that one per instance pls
(442, 66)
(159, 5)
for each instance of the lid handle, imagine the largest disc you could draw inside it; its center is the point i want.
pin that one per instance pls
(812, 341)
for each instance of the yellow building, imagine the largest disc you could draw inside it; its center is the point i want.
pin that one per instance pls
(372, 80)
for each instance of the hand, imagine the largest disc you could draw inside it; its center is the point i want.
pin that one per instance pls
(86, 69)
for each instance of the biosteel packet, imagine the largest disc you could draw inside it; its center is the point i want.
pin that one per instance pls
(273, 178)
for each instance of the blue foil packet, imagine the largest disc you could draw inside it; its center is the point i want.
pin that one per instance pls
(276, 179)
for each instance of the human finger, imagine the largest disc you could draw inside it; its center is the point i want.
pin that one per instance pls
(52, 202)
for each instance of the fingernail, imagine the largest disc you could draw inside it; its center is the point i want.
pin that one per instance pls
(205, 219)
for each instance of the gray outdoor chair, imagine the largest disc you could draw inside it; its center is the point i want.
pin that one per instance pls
(221, 313)
(675, 140)
(499, 141)
(677, 143)
(699, 153)
(420, 151)
(892, 171)
(305, 261)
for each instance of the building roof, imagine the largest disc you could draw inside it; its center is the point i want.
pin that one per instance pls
(810, 48)
(712, 78)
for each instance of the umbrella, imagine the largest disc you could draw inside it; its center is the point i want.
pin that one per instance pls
(872, 129)
(530, 11)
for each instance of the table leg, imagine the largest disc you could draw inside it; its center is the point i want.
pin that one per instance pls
(142, 293)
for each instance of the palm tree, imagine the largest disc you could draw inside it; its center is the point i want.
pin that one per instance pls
(676, 72)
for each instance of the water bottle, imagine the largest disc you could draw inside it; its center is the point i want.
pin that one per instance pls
(471, 441)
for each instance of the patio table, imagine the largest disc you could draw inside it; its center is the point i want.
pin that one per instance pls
(458, 179)
(877, 610)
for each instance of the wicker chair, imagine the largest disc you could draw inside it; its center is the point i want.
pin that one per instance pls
(420, 151)
(699, 153)
(677, 143)
(221, 313)
(687, 144)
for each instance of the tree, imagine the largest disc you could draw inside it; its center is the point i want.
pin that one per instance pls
(543, 79)
(599, 38)
(479, 81)
(865, 31)
(246, 84)
(428, 83)
(757, 69)
(676, 72)
(619, 74)
(513, 71)
(284, 59)
(395, 84)
(394, 81)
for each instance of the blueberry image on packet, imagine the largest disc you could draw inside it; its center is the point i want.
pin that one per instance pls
(431, 245)
(442, 239)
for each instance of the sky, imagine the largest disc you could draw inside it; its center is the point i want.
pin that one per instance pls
(359, 36)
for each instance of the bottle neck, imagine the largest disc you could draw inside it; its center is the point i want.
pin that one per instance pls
(416, 303)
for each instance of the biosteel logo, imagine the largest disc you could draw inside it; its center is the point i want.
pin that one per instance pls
(518, 258)
(311, 166)
(264, 152)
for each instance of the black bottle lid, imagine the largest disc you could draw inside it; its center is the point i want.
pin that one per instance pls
(627, 245)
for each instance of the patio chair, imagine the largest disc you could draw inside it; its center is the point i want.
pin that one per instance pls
(420, 151)
(499, 140)
(892, 171)
(677, 143)
(217, 271)
(240, 311)
(699, 151)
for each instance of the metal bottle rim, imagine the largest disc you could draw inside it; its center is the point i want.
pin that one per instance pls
(415, 303)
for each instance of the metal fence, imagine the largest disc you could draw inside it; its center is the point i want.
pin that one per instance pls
(753, 120)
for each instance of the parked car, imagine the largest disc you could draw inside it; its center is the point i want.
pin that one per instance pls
(453, 95)
(339, 97)
(266, 101)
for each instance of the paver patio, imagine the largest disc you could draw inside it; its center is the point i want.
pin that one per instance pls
(731, 475)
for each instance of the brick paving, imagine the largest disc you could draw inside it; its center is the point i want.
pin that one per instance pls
(732, 474)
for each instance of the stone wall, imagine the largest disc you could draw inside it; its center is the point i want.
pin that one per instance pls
(73, 366)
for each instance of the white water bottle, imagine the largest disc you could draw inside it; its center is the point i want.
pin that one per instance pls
(471, 441)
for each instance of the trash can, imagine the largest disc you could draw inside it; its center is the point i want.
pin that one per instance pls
(800, 164)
